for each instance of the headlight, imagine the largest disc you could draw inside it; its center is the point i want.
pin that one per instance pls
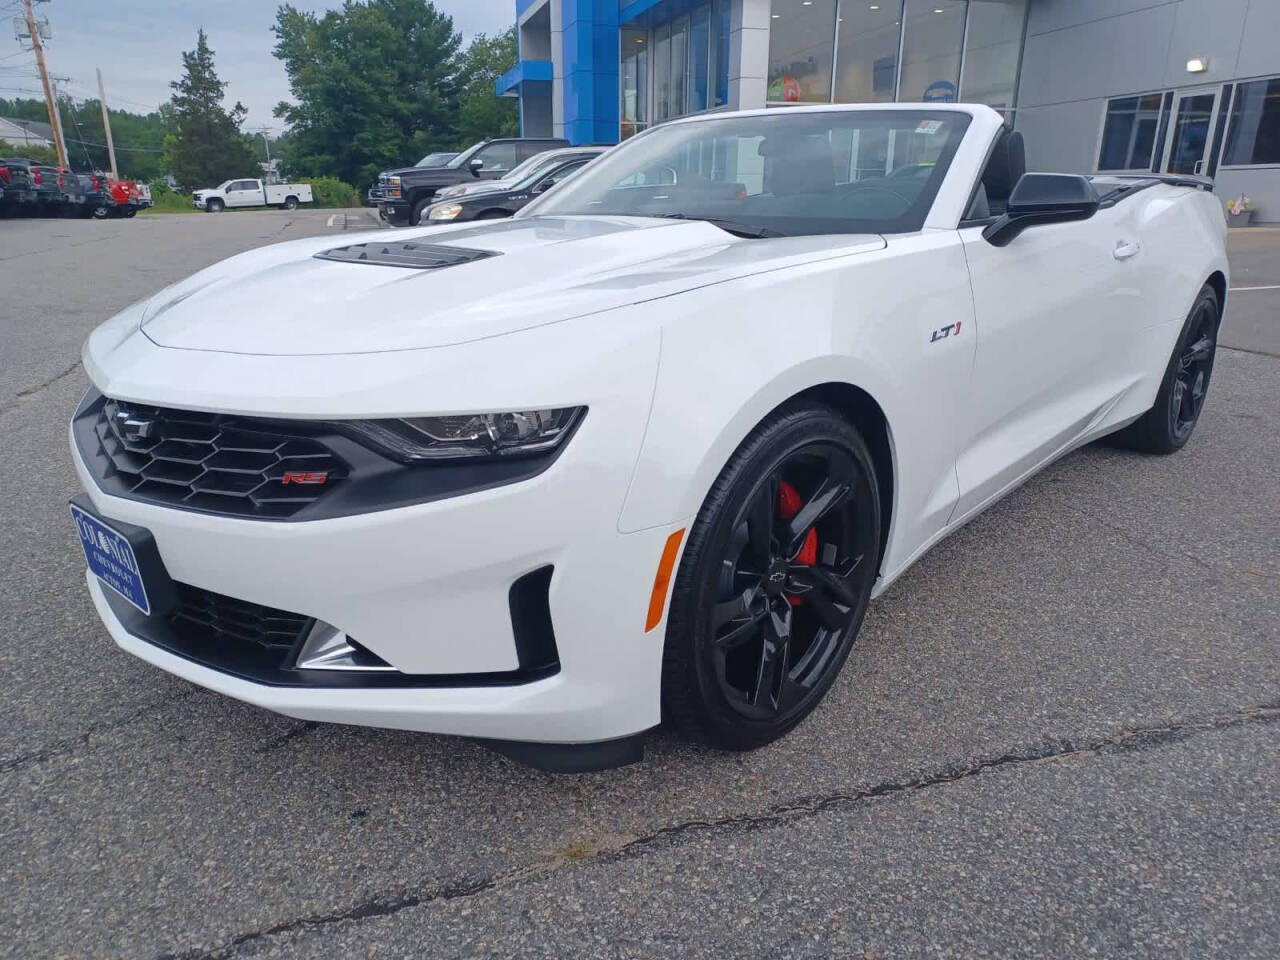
(447, 211)
(393, 186)
(475, 435)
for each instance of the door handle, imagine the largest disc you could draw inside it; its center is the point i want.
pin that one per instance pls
(1126, 249)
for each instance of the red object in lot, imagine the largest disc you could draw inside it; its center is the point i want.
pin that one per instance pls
(123, 192)
(4, 175)
(35, 176)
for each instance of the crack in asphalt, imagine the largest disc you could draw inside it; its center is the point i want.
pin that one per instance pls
(67, 745)
(1256, 353)
(26, 392)
(390, 903)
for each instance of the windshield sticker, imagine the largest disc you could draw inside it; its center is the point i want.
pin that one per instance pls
(929, 127)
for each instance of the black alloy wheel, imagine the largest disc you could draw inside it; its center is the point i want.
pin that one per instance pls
(1194, 366)
(1168, 425)
(774, 582)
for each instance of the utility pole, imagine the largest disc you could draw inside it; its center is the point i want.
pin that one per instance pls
(44, 79)
(57, 112)
(106, 126)
(266, 146)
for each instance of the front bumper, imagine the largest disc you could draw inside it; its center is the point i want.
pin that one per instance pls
(394, 211)
(426, 588)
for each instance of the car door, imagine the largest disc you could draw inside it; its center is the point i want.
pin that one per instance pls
(242, 193)
(1054, 312)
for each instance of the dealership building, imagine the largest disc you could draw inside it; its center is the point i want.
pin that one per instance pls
(1173, 86)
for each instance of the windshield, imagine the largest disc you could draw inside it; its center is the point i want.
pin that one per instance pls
(435, 159)
(781, 172)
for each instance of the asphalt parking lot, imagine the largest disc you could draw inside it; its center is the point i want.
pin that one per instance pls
(1059, 734)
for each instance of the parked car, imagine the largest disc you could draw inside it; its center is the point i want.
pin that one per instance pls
(71, 192)
(498, 199)
(19, 188)
(437, 159)
(44, 184)
(251, 193)
(125, 195)
(96, 200)
(408, 191)
(646, 450)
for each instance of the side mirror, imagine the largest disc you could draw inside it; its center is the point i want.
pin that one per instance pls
(1040, 198)
(476, 166)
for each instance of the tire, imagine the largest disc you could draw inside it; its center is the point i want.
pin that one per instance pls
(414, 214)
(214, 206)
(291, 203)
(757, 630)
(131, 212)
(99, 212)
(1168, 425)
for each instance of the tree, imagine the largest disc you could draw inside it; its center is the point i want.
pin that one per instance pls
(483, 113)
(377, 84)
(207, 146)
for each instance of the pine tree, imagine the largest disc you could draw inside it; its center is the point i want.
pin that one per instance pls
(208, 147)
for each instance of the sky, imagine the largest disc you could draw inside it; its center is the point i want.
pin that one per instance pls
(139, 43)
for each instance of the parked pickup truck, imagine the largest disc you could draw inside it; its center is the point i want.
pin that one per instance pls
(252, 193)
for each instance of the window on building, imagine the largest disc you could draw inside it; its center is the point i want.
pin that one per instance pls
(720, 52)
(933, 33)
(699, 53)
(633, 83)
(800, 50)
(1253, 136)
(679, 67)
(662, 72)
(1129, 132)
(867, 51)
(992, 43)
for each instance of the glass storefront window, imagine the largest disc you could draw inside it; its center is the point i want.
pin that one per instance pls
(679, 67)
(800, 48)
(867, 51)
(992, 42)
(1129, 132)
(934, 33)
(720, 51)
(699, 50)
(1254, 134)
(634, 81)
(662, 72)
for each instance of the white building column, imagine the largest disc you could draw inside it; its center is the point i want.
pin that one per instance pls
(557, 69)
(748, 53)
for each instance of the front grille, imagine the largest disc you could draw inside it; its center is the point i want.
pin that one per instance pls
(212, 462)
(206, 617)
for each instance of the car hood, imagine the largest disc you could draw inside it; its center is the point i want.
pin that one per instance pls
(424, 172)
(285, 301)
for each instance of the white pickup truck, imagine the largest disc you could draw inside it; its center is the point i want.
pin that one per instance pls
(252, 193)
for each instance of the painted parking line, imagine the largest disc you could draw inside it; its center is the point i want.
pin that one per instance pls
(332, 217)
(1270, 286)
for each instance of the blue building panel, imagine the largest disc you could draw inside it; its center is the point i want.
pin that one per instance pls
(538, 71)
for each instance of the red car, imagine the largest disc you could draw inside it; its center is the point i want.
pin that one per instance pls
(129, 198)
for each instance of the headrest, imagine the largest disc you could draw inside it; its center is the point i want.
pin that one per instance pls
(1007, 165)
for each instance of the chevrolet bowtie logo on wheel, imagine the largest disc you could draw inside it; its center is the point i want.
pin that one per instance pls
(133, 428)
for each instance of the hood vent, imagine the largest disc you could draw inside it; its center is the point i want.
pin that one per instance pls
(404, 253)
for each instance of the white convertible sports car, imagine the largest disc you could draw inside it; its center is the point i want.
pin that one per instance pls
(646, 450)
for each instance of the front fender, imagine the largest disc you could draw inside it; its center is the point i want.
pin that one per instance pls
(735, 351)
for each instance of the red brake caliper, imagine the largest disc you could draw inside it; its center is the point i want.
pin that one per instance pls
(789, 504)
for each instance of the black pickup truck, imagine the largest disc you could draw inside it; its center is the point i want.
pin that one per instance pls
(408, 191)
